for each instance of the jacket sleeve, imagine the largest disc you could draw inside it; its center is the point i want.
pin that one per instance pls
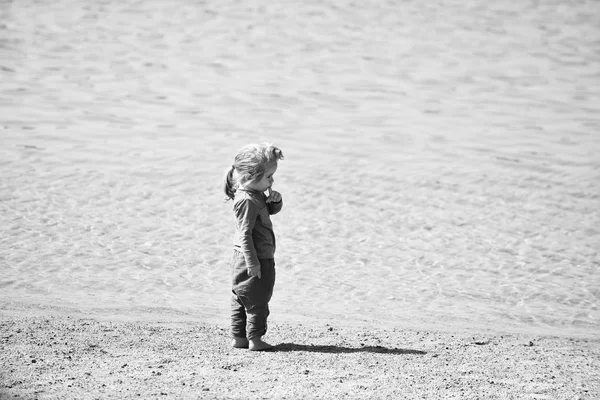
(274, 208)
(246, 213)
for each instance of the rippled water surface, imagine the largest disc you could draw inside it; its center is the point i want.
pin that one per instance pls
(441, 164)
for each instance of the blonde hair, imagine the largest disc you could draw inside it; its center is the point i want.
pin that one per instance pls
(250, 164)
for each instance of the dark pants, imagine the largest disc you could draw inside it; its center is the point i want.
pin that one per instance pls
(250, 297)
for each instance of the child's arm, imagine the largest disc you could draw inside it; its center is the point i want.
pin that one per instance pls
(245, 214)
(274, 202)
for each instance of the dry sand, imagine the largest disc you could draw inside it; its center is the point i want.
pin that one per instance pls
(70, 355)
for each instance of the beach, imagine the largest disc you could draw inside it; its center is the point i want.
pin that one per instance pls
(68, 355)
(441, 191)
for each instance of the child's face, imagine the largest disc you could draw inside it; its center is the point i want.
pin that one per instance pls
(266, 181)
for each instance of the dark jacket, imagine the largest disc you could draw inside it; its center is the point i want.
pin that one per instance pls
(254, 235)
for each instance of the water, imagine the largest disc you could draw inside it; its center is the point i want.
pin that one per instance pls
(441, 159)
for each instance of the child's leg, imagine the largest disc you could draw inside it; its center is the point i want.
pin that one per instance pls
(238, 311)
(238, 323)
(255, 294)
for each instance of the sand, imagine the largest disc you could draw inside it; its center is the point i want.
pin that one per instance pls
(66, 354)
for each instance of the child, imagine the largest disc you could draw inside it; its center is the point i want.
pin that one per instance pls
(253, 266)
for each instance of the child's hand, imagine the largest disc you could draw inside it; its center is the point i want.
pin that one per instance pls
(274, 196)
(254, 271)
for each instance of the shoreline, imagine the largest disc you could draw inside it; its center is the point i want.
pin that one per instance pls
(64, 356)
(150, 314)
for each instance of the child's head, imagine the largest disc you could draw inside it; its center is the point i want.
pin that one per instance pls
(249, 167)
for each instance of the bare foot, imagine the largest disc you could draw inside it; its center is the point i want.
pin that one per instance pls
(239, 343)
(257, 344)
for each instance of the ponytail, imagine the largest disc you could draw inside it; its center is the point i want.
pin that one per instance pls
(229, 184)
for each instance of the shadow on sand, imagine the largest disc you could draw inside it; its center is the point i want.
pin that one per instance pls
(340, 349)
